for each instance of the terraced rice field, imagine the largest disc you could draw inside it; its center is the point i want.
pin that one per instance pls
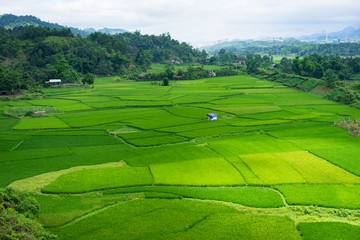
(130, 160)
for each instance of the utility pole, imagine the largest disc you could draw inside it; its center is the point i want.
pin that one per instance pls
(326, 37)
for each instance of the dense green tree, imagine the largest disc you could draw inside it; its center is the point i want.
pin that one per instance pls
(330, 77)
(88, 79)
(10, 80)
(143, 59)
(165, 81)
(170, 71)
(50, 53)
(18, 217)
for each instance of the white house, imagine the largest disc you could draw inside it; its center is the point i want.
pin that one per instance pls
(54, 81)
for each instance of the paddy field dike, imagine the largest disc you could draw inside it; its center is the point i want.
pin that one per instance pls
(132, 160)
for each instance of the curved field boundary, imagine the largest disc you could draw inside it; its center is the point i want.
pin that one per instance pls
(36, 183)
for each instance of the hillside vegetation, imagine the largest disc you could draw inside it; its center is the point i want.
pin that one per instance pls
(288, 48)
(30, 55)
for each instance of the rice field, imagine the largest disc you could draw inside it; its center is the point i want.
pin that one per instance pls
(133, 160)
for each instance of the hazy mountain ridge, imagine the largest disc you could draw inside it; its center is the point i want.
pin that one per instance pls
(348, 32)
(11, 21)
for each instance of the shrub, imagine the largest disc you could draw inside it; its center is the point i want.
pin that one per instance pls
(353, 126)
(19, 213)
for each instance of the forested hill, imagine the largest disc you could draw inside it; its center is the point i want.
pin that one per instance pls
(11, 21)
(30, 55)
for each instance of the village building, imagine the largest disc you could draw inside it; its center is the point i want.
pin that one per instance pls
(212, 74)
(54, 81)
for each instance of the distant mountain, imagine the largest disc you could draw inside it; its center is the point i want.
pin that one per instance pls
(348, 32)
(111, 31)
(11, 21)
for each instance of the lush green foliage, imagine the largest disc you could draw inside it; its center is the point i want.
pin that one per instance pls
(289, 47)
(32, 55)
(191, 73)
(19, 213)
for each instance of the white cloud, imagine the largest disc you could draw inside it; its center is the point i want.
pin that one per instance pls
(196, 20)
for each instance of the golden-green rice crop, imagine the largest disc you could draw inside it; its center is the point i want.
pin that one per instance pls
(203, 172)
(98, 179)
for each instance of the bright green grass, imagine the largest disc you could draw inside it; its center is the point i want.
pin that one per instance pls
(270, 115)
(238, 226)
(259, 122)
(311, 130)
(295, 167)
(56, 210)
(36, 142)
(203, 172)
(40, 123)
(246, 109)
(157, 140)
(338, 109)
(267, 90)
(15, 170)
(311, 138)
(89, 99)
(325, 195)
(141, 219)
(263, 152)
(31, 154)
(140, 134)
(10, 141)
(70, 132)
(242, 99)
(168, 154)
(329, 231)
(92, 118)
(248, 144)
(248, 196)
(7, 124)
(158, 219)
(192, 112)
(271, 169)
(159, 121)
(194, 126)
(221, 130)
(62, 104)
(128, 104)
(344, 157)
(194, 98)
(97, 179)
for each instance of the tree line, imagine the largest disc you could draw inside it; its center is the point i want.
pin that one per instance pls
(191, 73)
(338, 73)
(32, 55)
(286, 48)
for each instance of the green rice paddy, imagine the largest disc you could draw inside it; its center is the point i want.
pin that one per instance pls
(131, 160)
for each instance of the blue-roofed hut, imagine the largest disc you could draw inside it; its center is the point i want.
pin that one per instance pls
(212, 116)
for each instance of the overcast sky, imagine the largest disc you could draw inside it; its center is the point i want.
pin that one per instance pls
(196, 21)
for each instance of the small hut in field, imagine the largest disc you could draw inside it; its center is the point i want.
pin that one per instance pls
(212, 116)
